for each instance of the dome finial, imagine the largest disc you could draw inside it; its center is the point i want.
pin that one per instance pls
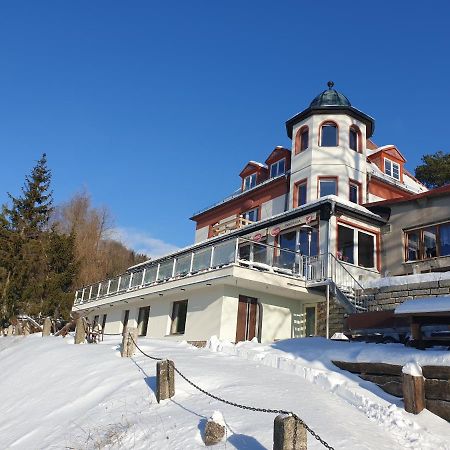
(330, 84)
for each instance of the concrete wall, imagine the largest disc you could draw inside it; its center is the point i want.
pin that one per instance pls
(406, 216)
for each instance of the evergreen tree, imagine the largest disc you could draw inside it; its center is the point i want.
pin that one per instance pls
(37, 265)
(435, 170)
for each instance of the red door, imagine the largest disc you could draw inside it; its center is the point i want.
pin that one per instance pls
(246, 318)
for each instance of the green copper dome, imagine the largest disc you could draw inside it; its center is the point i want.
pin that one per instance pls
(330, 97)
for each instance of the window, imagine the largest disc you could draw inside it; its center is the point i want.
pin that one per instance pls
(428, 242)
(327, 186)
(392, 169)
(302, 139)
(278, 168)
(126, 314)
(301, 193)
(310, 321)
(353, 139)
(251, 215)
(249, 182)
(329, 135)
(143, 316)
(354, 192)
(179, 313)
(346, 244)
(365, 250)
(356, 247)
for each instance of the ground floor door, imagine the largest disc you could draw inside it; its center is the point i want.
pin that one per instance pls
(310, 321)
(144, 314)
(246, 318)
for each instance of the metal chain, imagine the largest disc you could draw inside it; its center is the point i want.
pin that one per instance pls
(238, 405)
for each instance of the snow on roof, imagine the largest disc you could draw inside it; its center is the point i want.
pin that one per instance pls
(425, 305)
(406, 279)
(256, 163)
(408, 183)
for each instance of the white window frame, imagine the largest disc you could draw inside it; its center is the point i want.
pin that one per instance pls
(277, 166)
(389, 166)
(355, 246)
(248, 182)
(246, 214)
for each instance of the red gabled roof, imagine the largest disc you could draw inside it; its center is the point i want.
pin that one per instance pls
(443, 190)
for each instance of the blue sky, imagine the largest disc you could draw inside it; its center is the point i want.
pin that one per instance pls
(155, 107)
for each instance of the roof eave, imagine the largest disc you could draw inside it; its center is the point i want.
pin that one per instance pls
(369, 121)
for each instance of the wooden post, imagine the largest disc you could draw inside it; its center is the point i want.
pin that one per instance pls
(413, 386)
(128, 347)
(80, 331)
(26, 329)
(165, 380)
(47, 327)
(284, 430)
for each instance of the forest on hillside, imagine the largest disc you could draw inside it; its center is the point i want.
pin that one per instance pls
(48, 250)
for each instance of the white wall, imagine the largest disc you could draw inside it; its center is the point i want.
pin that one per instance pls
(273, 207)
(338, 161)
(201, 234)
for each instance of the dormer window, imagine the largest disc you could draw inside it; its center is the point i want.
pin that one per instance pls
(392, 169)
(249, 182)
(329, 135)
(278, 168)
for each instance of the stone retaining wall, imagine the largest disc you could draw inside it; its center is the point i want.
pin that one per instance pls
(389, 297)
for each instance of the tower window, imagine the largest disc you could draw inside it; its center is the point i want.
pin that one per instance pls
(278, 168)
(327, 186)
(354, 192)
(300, 194)
(329, 135)
(392, 169)
(249, 182)
(302, 139)
(353, 139)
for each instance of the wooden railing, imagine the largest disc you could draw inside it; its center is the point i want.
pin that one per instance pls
(230, 225)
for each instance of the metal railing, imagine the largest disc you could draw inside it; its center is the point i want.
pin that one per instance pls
(325, 267)
(238, 251)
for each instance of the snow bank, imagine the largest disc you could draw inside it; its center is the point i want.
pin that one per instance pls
(310, 359)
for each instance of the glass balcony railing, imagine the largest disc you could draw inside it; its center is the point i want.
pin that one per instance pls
(237, 251)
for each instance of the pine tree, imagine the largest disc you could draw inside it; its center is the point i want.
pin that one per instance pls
(37, 266)
(435, 170)
(30, 213)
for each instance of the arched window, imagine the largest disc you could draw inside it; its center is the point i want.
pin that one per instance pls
(302, 139)
(329, 135)
(354, 138)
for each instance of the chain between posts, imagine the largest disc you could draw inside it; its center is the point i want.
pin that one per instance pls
(238, 405)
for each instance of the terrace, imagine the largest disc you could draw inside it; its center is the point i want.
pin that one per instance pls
(313, 271)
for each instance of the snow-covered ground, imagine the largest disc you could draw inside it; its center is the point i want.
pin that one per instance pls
(57, 396)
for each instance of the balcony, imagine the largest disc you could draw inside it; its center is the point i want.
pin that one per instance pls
(230, 225)
(315, 271)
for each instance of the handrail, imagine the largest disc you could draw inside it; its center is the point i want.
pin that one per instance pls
(346, 270)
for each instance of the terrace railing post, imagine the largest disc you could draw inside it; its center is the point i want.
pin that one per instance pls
(98, 290)
(211, 260)
(109, 285)
(191, 265)
(118, 284)
(174, 267)
(157, 272)
(131, 280)
(143, 276)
